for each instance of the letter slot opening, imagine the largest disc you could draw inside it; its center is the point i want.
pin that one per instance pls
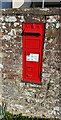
(30, 34)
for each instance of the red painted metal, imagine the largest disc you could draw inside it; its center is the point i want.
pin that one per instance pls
(32, 41)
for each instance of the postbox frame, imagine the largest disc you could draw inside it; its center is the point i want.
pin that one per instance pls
(40, 34)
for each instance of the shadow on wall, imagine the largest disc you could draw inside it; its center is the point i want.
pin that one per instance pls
(46, 4)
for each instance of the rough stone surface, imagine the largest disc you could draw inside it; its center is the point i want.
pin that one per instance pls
(27, 98)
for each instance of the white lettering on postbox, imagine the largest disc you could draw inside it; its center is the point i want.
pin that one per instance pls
(32, 57)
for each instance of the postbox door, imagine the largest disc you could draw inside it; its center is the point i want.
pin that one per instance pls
(32, 67)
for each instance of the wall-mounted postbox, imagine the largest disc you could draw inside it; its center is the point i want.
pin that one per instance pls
(32, 41)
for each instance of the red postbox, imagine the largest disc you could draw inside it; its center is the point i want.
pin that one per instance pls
(32, 41)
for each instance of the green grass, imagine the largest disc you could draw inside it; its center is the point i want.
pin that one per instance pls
(9, 116)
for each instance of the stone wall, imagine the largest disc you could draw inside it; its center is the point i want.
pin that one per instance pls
(27, 98)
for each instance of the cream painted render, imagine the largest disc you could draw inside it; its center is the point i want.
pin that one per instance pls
(17, 3)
